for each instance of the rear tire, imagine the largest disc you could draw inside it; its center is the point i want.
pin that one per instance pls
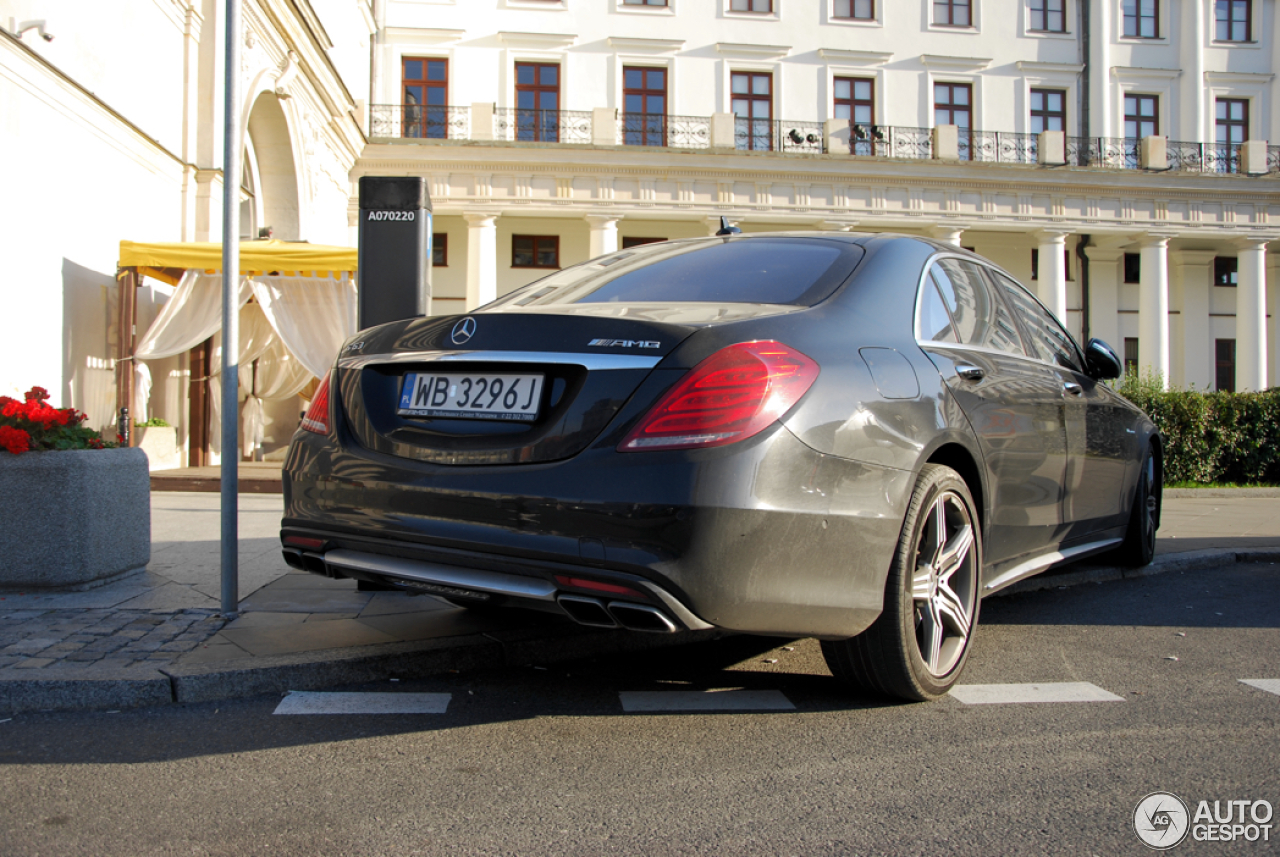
(917, 647)
(1139, 546)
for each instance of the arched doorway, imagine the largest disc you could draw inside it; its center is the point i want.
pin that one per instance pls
(270, 165)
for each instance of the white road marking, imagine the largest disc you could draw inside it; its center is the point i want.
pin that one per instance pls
(307, 702)
(704, 700)
(1270, 685)
(1060, 691)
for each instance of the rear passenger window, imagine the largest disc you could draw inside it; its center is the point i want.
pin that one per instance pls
(980, 318)
(935, 320)
(1051, 343)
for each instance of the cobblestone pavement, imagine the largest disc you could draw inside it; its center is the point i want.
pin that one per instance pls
(50, 639)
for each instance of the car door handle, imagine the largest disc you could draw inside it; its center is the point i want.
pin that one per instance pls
(971, 373)
(1072, 387)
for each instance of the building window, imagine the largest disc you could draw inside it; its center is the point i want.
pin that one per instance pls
(762, 6)
(425, 97)
(439, 250)
(535, 251)
(753, 107)
(1231, 122)
(1035, 263)
(1233, 20)
(855, 100)
(953, 105)
(1141, 19)
(630, 241)
(1048, 16)
(1130, 354)
(644, 2)
(1048, 110)
(857, 10)
(1225, 271)
(1224, 364)
(538, 102)
(1141, 116)
(952, 13)
(644, 106)
(1133, 267)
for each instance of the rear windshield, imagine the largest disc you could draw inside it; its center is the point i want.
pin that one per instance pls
(797, 271)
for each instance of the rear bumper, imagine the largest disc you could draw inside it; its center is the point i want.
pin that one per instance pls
(767, 536)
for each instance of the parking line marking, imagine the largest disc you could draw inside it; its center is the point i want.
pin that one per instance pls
(704, 700)
(1050, 691)
(308, 702)
(1270, 685)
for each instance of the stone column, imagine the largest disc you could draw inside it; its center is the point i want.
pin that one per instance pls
(482, 259)
(1153, 307)
(948, 233)
(604, 234)
(1194, 272)
(1251, 315)
(1104, 294)
(1273, 313)
(1051, 279)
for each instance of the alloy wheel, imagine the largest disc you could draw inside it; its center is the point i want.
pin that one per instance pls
(944, 585)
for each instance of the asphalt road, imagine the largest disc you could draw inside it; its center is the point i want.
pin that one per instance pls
(550, 761)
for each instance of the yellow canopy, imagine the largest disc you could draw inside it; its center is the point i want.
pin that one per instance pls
(256, 257)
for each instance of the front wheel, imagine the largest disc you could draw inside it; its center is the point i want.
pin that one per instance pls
(917, 647)
(1139, 546)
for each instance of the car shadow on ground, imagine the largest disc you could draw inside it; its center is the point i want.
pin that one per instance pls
(1234, 595)
(571, 690)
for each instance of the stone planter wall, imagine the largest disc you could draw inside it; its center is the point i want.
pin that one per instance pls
(73, 519)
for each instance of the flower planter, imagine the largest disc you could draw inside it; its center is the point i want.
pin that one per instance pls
(73, 519)
(160, 443)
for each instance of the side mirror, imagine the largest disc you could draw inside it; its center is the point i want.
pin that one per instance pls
(1101, 361)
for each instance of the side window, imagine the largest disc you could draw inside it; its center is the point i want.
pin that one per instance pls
(1050, 341)
(935, 321)
(981, 319)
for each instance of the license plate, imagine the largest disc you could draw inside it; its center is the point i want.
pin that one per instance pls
(463, 395)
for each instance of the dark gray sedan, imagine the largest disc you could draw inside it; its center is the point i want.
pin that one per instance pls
(850, 437)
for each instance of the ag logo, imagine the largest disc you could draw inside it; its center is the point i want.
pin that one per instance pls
(1161, 820)
(464, 330)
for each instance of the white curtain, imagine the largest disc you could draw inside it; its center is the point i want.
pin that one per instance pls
(191, 316)
(141, 391)
(280, 374)
(311, 315)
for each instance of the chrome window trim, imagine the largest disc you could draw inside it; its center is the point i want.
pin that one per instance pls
(592, 362)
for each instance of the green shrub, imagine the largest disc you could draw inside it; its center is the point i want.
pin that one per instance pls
(154, 422)
(1212, 437)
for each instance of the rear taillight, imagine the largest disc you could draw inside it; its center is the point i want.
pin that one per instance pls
(317, 416)
(735, 393)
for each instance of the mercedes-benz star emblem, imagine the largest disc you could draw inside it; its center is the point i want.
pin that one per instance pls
(464, 330)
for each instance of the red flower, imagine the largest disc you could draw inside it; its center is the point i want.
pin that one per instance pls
(14, 408)
(40, 394)
(14, 439)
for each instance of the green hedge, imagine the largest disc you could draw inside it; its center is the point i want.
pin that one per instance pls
(1212, 437)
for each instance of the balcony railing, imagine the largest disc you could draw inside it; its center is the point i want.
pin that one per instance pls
(777, 135)
(1005, 147)
(421, 122)
(518, 125)
(676, 132)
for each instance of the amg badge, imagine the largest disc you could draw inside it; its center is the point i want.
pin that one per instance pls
(625, 343)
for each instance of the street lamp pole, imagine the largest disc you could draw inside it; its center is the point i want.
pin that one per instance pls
(231, 315)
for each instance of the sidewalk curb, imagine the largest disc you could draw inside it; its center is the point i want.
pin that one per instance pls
(70, 689)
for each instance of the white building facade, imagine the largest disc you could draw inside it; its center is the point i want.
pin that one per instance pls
(554, 130)
(111, 126)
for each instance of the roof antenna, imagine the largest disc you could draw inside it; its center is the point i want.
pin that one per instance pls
(726, 229)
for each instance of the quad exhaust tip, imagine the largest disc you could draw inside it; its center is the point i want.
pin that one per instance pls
(634, 617)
